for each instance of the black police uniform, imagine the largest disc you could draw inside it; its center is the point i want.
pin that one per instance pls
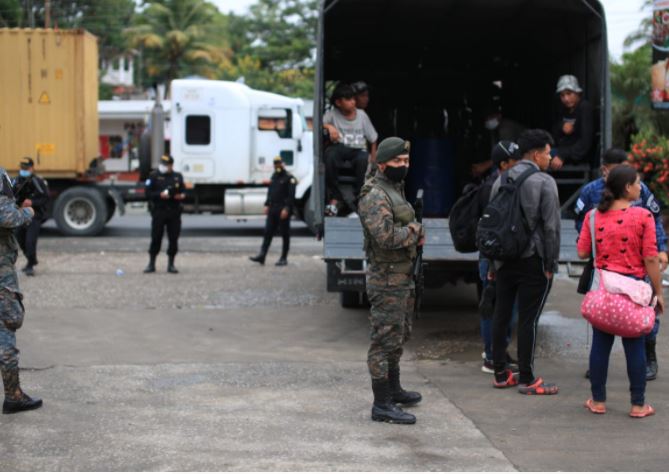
(280, 196)
(165, 213)
(35, 189)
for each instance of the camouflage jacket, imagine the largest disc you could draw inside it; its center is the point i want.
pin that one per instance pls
(389, 242)
(11, 217)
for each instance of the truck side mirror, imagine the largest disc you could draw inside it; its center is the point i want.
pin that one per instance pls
(297, 124)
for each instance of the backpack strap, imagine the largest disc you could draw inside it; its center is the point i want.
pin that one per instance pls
(523, 176)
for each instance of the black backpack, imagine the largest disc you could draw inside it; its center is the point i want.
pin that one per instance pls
(503, 232)
(464, 217)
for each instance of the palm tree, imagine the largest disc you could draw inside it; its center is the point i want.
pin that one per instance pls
(178, 38)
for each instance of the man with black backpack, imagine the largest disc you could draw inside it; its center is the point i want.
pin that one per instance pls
(520, 231)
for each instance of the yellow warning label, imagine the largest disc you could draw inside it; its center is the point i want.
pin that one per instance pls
(59, 73)
(45, 148)
(44, 98)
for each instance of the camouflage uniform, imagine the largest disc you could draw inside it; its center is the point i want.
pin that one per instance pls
(391, 249)
(11, 306)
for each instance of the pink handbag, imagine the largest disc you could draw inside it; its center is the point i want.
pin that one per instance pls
(621, 306)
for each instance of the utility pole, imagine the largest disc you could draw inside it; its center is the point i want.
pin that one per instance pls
(31, 14)
(47, 13)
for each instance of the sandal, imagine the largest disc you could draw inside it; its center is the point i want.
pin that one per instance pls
(647, 411)
(597, 410)
(510, 381)
(538, 387)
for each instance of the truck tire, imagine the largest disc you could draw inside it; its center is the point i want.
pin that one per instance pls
(349, 299)
(80, 211)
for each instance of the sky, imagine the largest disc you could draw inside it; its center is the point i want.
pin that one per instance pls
(623, 17)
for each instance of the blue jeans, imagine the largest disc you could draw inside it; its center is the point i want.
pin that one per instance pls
(486, 324)
(635, 353)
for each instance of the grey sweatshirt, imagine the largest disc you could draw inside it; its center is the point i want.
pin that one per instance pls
(541, 203)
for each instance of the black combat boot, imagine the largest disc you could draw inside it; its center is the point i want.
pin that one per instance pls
(283, 261)
(384, 409)
(651, 360)
(170, 265)
(260, 258)
(29, 270)
(151, 267)
(397, 393)
(15, 399)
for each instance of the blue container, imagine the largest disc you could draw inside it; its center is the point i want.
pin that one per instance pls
(433, 169)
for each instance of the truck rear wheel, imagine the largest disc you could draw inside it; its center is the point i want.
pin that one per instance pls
(349, 299)
(80, 211)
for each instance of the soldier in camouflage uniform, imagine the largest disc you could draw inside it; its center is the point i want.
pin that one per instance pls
(391, 238)
(11, 307)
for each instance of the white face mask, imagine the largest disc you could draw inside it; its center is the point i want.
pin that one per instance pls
(492, 124)
(162, 168)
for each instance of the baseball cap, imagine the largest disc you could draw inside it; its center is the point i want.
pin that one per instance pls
(568, 83)
(504, 151)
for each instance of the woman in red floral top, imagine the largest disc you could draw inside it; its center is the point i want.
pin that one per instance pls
(625, 243)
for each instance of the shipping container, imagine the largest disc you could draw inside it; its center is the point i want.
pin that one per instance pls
(49, 98)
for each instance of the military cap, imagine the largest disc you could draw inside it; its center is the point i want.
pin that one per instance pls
(390, 148)
(167, 160)
(27, 162)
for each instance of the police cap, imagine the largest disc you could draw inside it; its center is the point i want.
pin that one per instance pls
(26, 163)
(167, 160)
(277, 159)
(390, 148)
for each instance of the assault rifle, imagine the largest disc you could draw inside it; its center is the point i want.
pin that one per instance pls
(418, 278)
(24, 190)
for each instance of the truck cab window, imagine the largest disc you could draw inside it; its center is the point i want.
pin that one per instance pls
(198, 130)
(277, 120)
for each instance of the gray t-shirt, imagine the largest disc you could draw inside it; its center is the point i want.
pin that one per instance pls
(353, 133)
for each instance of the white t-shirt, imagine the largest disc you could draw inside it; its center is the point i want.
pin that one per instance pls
(352, 133)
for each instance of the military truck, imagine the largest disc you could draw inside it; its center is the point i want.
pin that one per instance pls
(433, 67)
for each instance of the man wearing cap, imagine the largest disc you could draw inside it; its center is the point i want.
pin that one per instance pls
(391, 239)
(11, 306)
(573, 130)
(33, 191)
(278, 209)
(165, 192)
(361, 91)
(504, 156)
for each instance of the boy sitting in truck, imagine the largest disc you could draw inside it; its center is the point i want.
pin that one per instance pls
(351, 135)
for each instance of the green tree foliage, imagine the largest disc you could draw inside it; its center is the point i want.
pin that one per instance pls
(630, 87)
(11, 14)
(275, 46)
(179, 38)
(106, 19)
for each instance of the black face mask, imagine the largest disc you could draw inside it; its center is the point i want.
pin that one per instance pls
(396, 174)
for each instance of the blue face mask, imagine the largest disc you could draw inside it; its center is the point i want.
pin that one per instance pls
(25, 173)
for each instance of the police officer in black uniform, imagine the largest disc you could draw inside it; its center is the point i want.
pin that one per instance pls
(30, 189)
(165, 192)
(278, 209)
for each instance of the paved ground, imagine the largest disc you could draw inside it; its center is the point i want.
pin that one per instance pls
(231, 366)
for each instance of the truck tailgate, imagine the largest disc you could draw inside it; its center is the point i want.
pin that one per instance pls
(343, 240)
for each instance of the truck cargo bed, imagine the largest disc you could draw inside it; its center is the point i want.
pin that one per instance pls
(343, 241)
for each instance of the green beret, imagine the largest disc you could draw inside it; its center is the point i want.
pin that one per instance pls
(390, 148)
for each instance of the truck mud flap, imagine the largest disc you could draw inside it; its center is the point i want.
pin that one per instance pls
(346, 275)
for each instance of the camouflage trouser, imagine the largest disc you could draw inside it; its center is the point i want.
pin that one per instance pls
(390, 319)
(11, 319)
